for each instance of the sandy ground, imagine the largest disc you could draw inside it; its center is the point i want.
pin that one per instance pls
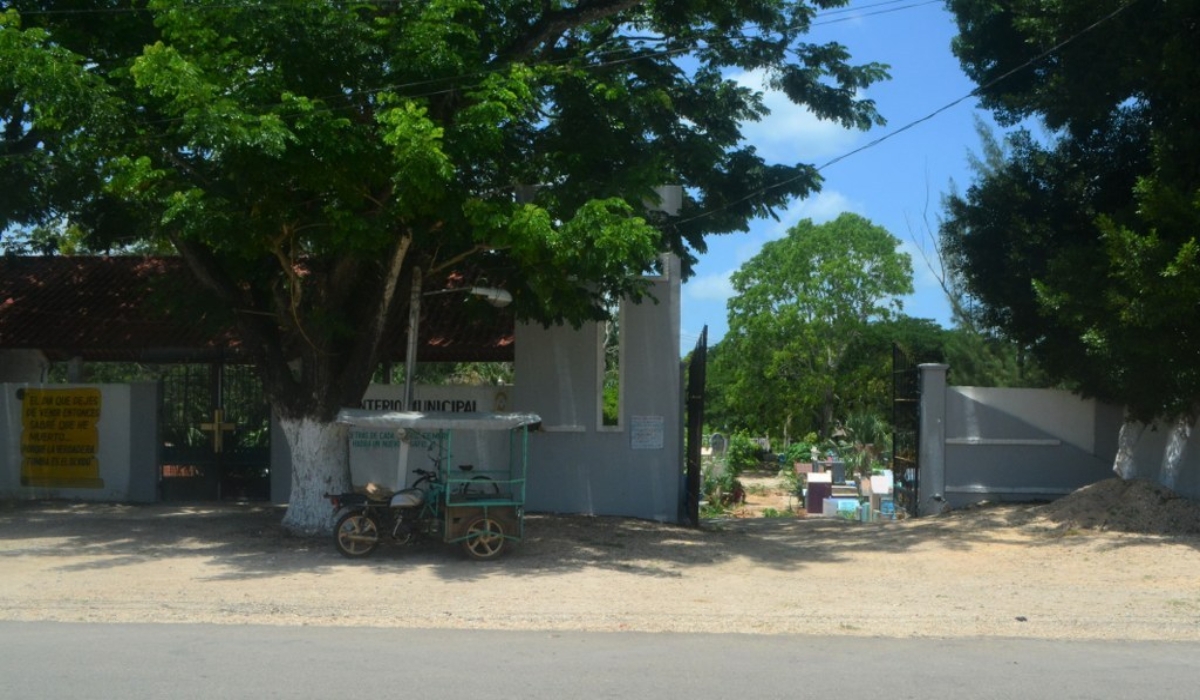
(1011, 571)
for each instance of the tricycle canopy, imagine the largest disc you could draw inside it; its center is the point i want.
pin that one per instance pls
(391, 420)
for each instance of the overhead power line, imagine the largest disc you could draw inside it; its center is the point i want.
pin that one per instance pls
(910, 125)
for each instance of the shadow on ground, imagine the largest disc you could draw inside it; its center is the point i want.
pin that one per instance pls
(248, 541)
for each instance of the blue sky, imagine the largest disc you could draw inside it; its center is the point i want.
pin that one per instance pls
(896, 184)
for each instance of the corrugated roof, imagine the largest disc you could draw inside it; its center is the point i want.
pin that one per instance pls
(127, 308)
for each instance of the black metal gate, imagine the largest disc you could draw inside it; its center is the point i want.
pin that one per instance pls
(696, 375)
(215, 433)
(906, 422)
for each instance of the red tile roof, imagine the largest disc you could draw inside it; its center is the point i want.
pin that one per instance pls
(118, 309)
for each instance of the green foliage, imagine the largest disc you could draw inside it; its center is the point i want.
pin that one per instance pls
(719, 488)
(742, 454)
(1080, 246)
(799, 325)
(775, 513)
(610, 408)
(451, 374)
(866, 444)
(802, 450)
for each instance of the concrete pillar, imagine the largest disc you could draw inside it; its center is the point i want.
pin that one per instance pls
(931, 457)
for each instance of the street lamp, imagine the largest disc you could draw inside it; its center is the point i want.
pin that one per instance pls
(493, 295)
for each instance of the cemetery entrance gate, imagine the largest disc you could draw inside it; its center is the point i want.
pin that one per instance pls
(214, 433)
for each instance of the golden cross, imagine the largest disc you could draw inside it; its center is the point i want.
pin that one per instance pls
(218, 428)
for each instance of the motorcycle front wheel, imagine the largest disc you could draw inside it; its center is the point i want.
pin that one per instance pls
(356, 535)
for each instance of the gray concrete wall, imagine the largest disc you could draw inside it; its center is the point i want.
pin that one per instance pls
(143, 442)
(577, 465)
(1021, 444)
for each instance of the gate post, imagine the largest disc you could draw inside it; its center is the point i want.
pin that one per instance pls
(932, 451)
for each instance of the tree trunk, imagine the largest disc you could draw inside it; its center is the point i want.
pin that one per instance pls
(1127, 440)
(1177, 442)
(320, 465)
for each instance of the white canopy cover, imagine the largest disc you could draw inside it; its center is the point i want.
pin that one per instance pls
(391, 420)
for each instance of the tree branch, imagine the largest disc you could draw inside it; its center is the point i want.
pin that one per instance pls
(553, 25)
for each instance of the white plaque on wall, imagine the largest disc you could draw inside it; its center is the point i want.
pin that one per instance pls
(646, 433)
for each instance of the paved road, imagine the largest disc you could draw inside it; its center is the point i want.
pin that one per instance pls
(55, 660)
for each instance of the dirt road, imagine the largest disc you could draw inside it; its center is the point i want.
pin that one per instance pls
(1004, 571)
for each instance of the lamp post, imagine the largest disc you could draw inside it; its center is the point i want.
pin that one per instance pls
(494, 296)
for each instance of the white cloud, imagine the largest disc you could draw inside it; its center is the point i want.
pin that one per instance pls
(715, 287)
(791, 133)
(824, 207)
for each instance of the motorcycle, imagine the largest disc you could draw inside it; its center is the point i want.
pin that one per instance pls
(410, 515)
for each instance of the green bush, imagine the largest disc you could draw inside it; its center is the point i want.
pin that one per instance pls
(801, 451)
(719, 489)
(742, 454)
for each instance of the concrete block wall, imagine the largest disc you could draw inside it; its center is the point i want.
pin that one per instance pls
(578, 466)
(999, 444)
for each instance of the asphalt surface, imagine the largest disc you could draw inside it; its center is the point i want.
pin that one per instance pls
(66, 660)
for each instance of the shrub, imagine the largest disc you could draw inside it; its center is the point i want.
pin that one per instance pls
(741, 454)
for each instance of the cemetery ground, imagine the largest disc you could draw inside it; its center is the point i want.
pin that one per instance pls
(1114, 561)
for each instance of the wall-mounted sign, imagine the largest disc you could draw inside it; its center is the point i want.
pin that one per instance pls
(60, 438)
(646, 433)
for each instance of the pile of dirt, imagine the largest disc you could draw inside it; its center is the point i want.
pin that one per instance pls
(1134, 506)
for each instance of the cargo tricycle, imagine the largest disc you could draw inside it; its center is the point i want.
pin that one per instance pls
(477, 506)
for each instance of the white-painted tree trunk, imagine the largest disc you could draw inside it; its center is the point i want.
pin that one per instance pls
(320, 465)
(1177, 442)
(1127, 439)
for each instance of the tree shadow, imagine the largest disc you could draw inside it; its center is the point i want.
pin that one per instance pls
(248, 541)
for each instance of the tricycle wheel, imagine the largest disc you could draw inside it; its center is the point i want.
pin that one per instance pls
(485, 538)
(356, 535)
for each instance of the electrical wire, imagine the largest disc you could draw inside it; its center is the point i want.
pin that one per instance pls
(916, 122)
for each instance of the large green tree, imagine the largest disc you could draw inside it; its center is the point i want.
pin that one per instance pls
(1085, 247)
(799, 308)
(309, 160)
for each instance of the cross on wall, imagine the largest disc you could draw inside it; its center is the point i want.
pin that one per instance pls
(218, 427)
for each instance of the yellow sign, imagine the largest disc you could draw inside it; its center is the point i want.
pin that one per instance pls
(59, 438)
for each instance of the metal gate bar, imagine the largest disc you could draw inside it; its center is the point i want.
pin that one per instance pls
(906, 405)
(697, 375)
